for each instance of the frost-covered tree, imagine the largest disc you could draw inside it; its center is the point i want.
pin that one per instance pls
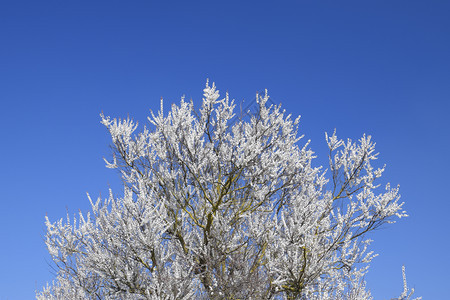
(218, 207)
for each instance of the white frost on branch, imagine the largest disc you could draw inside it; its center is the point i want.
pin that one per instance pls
(218, 209)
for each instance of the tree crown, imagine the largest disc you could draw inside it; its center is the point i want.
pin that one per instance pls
(218, 207)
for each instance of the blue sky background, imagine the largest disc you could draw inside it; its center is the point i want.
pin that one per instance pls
(376, 67)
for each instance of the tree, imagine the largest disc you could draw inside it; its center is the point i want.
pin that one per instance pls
(218, 208)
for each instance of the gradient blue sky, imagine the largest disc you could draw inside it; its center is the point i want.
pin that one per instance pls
(376, 67)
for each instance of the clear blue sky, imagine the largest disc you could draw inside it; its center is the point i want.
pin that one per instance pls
(376, 67)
